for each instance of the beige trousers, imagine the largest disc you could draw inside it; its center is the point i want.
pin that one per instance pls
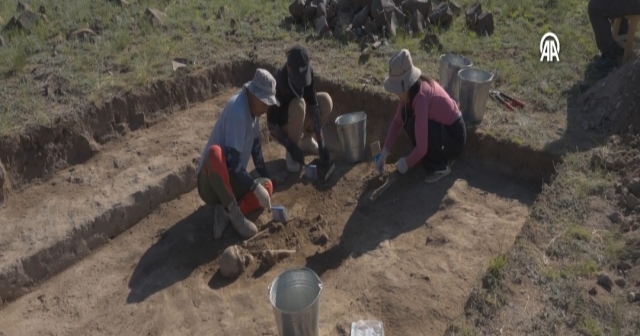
(300, 121)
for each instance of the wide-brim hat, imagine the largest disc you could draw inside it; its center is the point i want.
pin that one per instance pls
(402, 73)
(263, 86)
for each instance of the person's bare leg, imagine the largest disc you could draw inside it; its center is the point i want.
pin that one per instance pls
(326, 107)
(294, 128)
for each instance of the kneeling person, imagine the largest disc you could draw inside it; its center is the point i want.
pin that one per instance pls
(302, 111)
(223, 180)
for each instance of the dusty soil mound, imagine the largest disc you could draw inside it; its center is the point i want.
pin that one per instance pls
(614, 101)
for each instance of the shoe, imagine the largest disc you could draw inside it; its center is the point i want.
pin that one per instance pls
(605, 63)
(309, 145)
(220, 221)
(245, 227)
(292, 166)
(437, 175)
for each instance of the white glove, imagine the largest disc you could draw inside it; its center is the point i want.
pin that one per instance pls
(263, 196)
(401, 166)
(382, 158)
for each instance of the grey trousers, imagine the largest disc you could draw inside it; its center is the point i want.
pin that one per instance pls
(600, 14)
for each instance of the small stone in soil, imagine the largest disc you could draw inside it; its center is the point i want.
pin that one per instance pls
(632, 201)
(620, 283)
(275, 227)
(623, 266)
(605, 281)
(616, 217)
(593, 291)
(631, 296)
(321, 240)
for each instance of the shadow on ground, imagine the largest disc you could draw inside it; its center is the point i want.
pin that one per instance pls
(585, 129)
(178, 252)
(404, 207)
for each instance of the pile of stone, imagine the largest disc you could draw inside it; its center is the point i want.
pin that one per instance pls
(367, 19)
(26, 17)
(479, 21)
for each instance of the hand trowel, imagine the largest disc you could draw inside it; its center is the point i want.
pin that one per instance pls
(316, 169)
(375, 151)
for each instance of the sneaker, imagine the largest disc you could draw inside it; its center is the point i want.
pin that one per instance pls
(220, 221)
(245, 227)
(309, 145)
(437, 175)
(292, 166)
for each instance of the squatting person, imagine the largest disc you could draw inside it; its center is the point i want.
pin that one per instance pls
(430, 117)
(302, 111)
(223, 180)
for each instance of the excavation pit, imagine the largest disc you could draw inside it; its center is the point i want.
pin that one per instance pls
(409, 261)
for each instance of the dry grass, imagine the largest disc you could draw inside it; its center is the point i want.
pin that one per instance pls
(565, 244)
(130, 52)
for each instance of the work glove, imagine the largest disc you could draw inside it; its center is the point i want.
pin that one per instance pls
(296, 154)
(401, 166)
(381, 159)
(263, 196)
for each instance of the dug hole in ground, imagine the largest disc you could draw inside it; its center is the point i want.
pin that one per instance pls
(74, 263)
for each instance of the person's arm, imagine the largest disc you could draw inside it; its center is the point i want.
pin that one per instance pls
(394, 128)
(421, 108)
(274, 126)
(258, 159)
(276, 131)
(234, 143)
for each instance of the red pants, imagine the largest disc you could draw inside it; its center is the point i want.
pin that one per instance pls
(227, 188)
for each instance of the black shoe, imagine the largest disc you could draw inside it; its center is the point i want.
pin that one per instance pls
(605, 63)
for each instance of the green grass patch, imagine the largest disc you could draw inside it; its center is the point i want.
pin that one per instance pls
(497, 265)
(589, 326)
(132, 52)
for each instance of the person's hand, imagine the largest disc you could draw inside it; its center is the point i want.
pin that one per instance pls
(263, 196)
(382, 159)
(401, 166)
(296, 154)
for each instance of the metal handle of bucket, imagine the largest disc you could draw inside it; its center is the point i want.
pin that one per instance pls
(302, 268)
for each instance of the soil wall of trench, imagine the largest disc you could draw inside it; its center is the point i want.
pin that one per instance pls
(38, 152)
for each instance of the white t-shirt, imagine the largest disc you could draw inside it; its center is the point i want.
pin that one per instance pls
(236, 127)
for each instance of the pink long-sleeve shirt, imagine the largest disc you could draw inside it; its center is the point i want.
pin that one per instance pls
(431, 103)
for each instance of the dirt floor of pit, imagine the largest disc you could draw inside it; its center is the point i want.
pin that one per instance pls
(409, 261)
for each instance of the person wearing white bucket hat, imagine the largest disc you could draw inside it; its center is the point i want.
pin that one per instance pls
(430, 117)
(223, 180)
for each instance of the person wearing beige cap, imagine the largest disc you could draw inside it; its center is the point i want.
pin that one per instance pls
(430, 117)
(223, 180)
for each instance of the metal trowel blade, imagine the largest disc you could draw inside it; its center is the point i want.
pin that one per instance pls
(330, 171)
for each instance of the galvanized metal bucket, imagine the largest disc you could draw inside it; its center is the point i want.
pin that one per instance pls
(450, 65)
(295, 298)
(474, 86)
(352, 132)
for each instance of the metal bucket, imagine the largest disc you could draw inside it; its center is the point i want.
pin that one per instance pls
(474, 86)
(352, 132)
(295, 298)
(450, 65)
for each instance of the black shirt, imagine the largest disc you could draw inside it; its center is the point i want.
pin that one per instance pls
(279, 115)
